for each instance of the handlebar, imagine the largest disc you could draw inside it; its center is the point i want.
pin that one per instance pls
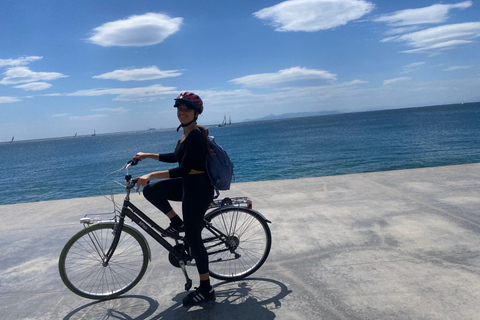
(130, 183)
(128, 178)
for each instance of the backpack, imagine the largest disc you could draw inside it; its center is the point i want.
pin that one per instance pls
(219, 167)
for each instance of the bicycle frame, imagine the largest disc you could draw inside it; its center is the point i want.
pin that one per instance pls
(180, 256)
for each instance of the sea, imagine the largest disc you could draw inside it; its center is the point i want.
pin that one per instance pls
(84, 166)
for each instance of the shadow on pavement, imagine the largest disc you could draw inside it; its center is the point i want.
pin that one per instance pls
(252, 298)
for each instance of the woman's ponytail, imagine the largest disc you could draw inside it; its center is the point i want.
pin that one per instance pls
(204, 131)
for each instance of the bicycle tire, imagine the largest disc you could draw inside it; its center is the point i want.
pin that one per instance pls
(251, 235)
(81, 261)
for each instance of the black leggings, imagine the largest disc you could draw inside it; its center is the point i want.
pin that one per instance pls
(196, 193)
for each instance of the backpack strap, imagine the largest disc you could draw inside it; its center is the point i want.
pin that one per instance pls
(217, 193)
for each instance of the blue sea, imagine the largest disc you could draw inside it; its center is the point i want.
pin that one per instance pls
(73, 167)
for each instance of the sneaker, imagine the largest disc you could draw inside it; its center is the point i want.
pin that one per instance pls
(173, 229)
(198, 296)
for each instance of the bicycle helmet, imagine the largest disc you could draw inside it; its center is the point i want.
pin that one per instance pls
(190, 100)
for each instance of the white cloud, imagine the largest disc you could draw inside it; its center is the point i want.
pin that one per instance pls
(283, 76)
(149, 73)
(405, 24)
(34, 86)
(437, 13)
(18, 62)
(87, 118)
(69, 116)
(395, 80)
(396, 31)
(60, 115)
(120, 110)
(412, 67)
(313, 15)
(153, 92)
(432, 40)
(244, 103)
(434, 48)
(24, 75)
(136, 31)
(9, 99)
(454, 68)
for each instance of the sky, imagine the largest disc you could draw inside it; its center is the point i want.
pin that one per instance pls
(71, 67)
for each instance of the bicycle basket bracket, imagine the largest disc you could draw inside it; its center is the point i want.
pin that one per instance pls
(93, 218)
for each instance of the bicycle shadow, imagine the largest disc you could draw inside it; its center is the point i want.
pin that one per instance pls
(253, 298)
(119, 308)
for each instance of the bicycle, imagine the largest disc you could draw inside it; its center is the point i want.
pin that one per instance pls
(109, 257)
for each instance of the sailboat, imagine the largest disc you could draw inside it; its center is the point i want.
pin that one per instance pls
(75, 135)
(224, 122)
(94, 133)
(12, 139)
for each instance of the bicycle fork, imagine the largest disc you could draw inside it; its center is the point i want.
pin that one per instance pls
(118, 232)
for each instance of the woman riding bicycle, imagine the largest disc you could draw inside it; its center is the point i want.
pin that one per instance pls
(188, 183)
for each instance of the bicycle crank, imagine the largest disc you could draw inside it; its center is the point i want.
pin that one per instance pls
(188, 283)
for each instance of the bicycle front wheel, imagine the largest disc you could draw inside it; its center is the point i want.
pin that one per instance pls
(81, 262)
(248, 243)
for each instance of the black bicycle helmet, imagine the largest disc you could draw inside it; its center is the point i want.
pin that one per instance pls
(190, 100)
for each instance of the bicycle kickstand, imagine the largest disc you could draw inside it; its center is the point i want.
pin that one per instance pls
(188, 285)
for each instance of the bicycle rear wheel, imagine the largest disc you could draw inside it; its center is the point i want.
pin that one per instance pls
(248, 243)
(81, 261)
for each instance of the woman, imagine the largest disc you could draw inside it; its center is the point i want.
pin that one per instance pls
(188, 183)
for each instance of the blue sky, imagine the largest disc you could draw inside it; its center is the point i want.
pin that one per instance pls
(109, 66)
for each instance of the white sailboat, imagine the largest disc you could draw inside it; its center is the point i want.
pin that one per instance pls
(224, 122)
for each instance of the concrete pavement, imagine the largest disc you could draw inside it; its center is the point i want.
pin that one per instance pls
(386, 245)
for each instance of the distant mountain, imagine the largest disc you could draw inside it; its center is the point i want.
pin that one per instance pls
(292, 115)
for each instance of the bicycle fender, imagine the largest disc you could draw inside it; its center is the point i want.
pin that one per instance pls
(253, 211)
(129, 226)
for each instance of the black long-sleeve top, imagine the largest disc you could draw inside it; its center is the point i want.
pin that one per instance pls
(190, 154)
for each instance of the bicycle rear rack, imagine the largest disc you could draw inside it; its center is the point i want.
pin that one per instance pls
(243, 202)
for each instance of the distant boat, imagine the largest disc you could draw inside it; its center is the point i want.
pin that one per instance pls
(94, 133)
(12, 139)
(224, 122)
(151, 129)
(75, 135)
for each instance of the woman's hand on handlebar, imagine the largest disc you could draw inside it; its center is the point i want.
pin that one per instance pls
(142, 155)
(143, 181)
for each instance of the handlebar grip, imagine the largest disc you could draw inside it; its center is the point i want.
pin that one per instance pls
(133, 162)
(133, 183)
(130, 163)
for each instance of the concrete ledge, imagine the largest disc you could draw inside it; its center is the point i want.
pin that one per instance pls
(385, 245)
